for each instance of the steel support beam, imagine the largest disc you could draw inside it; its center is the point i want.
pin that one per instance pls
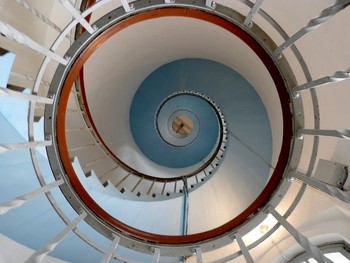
(328, 189)
(156, 255)
(23, 96)
(300, 238)
(248, 258)
(343, 134)
(40, 254)
(23, 145)
(199, 255)
(77, 15)
(252, 12)
(23, 39)
(312, 25)
(338, 76)
(17, 202)
(108, 255)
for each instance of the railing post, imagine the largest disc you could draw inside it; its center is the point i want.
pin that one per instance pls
(199, 255)
(185, 208)
(127, 7)
(122, 180)
(108, 255)
(252, 12)
(23, 96)
(343, 134)
(23, 39)
(150, 188)
(301, 239)
(106, 175)
(210, 3)
(163, 189)
(336, 77)
(17, 202)
(136, 185)
(328, 189)
(39, 15)
(23, 145)
(156, 255)
(248, 258)
(39, 255)
(312, 25)
(23, 76)
(76, 14)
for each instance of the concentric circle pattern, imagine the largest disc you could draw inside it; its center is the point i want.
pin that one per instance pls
(154, 110)
(222, 89)
(174, 130)
(178, 88)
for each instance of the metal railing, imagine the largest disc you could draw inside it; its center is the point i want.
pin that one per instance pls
(50, 56)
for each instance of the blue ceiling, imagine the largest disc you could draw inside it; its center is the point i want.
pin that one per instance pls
(228, 89)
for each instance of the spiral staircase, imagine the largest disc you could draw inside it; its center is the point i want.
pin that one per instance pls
(174, 131)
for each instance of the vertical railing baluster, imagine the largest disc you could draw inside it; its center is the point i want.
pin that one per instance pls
(23, 39)
(107, 175)
(328, 189)
(185, 208)
(248, 258)
(336, 77)
(127, 7)
(199, 255)
(39, 15)
(150, 188)
(23, 96)
(136, 185)
(343, 134)
(40, 254)
(312, 25)
(163, 188)
(252, 12)
(108, 255)
(23, 145)
(122, 180)
(156, 255)
(76, 14)
(23, 76)
(300, 238)
(17, 202)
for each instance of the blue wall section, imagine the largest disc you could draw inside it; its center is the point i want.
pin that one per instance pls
(243, 109)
